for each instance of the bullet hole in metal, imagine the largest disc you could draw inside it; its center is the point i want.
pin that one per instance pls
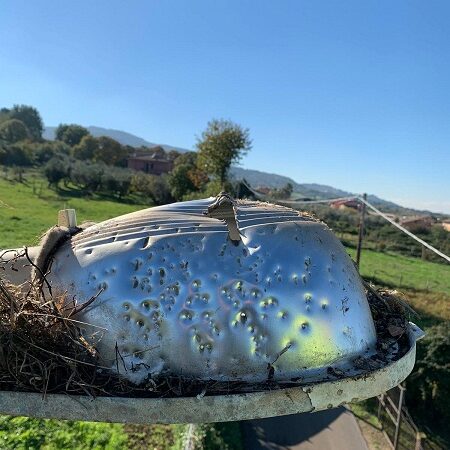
(145, 242)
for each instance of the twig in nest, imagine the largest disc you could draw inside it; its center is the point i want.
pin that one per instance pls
(80, 308)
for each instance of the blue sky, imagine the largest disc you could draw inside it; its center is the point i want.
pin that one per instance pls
(354, 94)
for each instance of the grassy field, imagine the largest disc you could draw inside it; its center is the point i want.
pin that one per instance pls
(404, 272)
(28, 209)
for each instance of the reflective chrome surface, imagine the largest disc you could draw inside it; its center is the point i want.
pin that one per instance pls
(178, 295)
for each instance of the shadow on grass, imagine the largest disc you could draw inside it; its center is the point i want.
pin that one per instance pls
(73, 192)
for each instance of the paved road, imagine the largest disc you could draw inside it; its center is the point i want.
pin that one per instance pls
(334, 429)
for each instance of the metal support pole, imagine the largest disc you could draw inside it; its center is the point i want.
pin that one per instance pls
(399, 416)
(189, 438)
(380, 400)
(361, 230)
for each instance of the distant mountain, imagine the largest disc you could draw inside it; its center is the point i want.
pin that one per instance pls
(312, 191)
(120, 136)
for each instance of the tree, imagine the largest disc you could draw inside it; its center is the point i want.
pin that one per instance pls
(70, 134)
(189, 158)
(87, 175)
(158, 152)
(30, 117)
(180, 181)
(13, 130)
(172, 155)
(152, 186)
(117, 181)
(110, 152)
(222, 144)
(56, 169)
(86, 148)
(46, 150)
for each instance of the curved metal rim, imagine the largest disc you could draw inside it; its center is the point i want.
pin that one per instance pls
(221, 408)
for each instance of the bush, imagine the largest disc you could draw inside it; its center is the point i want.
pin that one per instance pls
(25, 433)
(429, 385)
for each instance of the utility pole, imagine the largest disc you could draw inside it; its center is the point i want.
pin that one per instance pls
(361, 230)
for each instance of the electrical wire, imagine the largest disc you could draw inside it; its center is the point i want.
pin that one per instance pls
(373, 208)
(384, 216)
(328, 200)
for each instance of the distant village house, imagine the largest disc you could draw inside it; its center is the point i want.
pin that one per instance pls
(345, 204)
(446, 225)
(154, 163)
(416, 223)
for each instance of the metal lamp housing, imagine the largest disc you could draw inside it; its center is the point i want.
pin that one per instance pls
(177, 295)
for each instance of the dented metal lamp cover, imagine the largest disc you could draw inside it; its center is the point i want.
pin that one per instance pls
(224, 290)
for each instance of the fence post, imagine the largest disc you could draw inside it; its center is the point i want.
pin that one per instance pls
(399, 416)
(361, 230)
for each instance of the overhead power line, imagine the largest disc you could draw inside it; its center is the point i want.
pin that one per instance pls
(328, 200)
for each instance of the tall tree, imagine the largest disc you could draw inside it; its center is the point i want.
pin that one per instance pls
(110, 152)
(29, 116)
(70, 134)
(13, 130)
(180, 181)
(222, 144)
(86, 148)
